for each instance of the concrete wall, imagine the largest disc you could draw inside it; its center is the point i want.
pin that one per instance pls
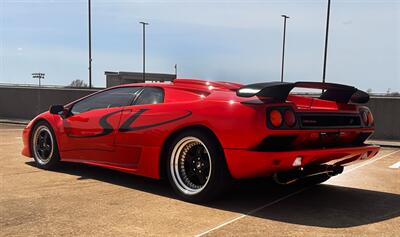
(386, 111)
(27, 102)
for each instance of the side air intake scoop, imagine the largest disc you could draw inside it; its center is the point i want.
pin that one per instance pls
(280, 90)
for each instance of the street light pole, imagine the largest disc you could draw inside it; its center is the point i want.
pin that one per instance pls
(285, 17)
(326, 40)
(39, 76)
(90, 43)
(176, 70)
(144, 49)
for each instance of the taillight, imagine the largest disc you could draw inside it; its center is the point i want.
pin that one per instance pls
(275, 117)
(364, 117)
(289, 118)
(370, 119)
(367, 117)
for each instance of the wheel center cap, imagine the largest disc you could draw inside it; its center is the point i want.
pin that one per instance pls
(198, 164)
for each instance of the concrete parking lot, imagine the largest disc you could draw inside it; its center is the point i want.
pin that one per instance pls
(91, 201)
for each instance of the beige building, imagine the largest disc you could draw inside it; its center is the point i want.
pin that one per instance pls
(119, 78)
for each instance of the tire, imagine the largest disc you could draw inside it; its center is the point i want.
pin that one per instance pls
(44, 146)
(196, 167)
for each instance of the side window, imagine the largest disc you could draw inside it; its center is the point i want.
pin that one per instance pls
(150, 95)
(111, 98)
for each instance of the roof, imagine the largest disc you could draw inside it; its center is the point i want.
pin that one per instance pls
(192, 84)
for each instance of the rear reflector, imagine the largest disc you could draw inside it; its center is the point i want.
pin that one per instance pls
(297, 161)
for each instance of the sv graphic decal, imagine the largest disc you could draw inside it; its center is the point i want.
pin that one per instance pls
(107, 128)
(126, 126)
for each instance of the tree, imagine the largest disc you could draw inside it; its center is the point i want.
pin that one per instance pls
(78, 83)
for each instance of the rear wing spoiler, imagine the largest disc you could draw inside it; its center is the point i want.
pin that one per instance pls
(280, 90)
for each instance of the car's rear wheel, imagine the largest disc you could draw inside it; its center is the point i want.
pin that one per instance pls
(196, 166)
(44, 146)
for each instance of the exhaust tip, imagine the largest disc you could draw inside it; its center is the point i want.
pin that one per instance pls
(291, 176)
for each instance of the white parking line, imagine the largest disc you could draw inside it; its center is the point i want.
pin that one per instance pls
(286, 197)
(395, 165)
(369, 162)
(251, 212)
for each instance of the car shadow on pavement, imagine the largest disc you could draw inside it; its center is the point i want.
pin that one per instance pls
(333, 206)
(323, 205)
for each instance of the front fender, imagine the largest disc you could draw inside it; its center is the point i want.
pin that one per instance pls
(27, 131)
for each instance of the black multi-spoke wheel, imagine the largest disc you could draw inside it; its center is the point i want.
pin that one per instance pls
(44, 146)
(196, 167)
(190, 165)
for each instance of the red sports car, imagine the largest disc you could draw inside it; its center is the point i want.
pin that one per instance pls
(203, 134)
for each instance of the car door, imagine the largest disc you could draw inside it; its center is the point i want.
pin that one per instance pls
(91, 127)
(136, 136)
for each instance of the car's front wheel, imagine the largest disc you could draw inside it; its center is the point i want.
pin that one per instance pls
(44, 146)
(196, 166)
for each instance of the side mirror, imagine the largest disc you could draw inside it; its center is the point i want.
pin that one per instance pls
(56, 109)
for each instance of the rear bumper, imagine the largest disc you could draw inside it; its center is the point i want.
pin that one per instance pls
(247, 163)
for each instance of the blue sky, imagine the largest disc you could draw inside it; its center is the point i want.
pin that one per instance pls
(219, 40)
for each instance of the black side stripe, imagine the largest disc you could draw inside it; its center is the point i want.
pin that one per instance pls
(107, 128)
(125, 127)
